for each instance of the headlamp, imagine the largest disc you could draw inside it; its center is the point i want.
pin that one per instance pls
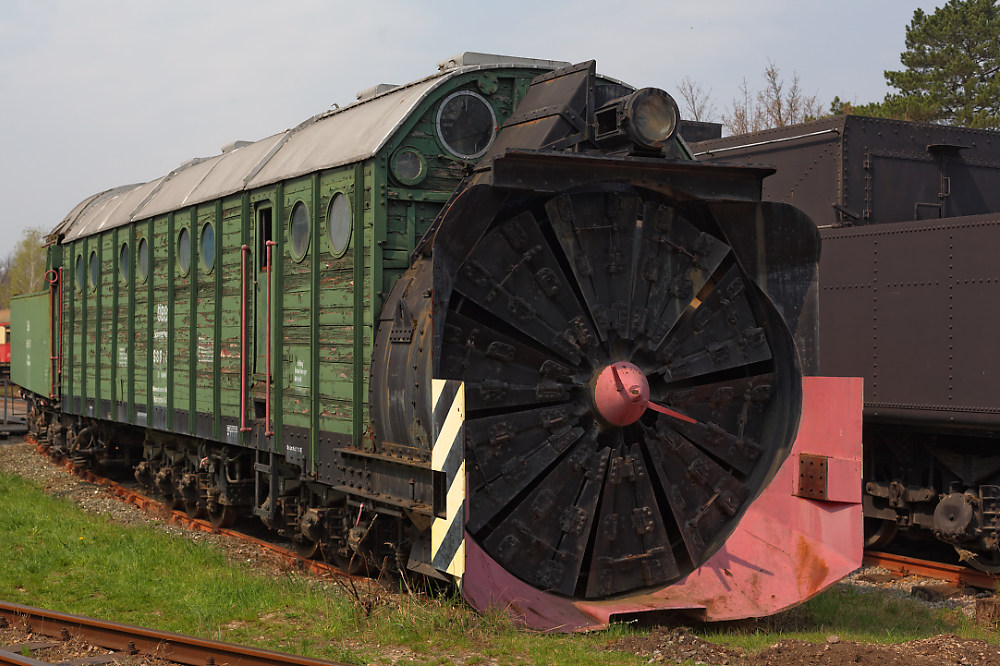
(649, 117)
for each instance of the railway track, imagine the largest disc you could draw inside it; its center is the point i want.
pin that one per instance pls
(954, 574)
(125, 641)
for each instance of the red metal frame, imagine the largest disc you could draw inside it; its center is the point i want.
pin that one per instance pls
(267, 352)
(54, 354)
(60, 345)
(786, 549)
(245, 251)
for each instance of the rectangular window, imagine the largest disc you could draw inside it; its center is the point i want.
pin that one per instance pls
(264, 234)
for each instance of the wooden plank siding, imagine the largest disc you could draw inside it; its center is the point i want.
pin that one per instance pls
(318, 316)
(90, 324)
(229, 241)
(77, 297)
(178, 359)
(140, 337)
(296, 312)
(164, 350)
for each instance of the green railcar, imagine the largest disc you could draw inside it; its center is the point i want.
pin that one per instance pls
(30, 343)
(157, 330)
(346, 327)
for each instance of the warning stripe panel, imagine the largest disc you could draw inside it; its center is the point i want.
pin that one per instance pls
(448, 457)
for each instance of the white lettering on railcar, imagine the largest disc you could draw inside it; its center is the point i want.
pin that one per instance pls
(206, 349)
(300, 373)
(159, 395)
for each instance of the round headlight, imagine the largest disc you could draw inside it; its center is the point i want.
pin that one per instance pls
(651, 117)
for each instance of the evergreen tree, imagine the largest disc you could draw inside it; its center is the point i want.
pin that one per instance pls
(952, 67)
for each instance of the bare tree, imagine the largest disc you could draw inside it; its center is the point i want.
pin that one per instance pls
(25, 267)
(5, 282)
(781, 107)
(697, 102)
(777, 105)
(744, 113)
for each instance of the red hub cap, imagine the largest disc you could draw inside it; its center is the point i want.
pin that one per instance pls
(621, 393)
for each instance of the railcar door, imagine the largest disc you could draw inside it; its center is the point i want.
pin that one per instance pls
(263, 238)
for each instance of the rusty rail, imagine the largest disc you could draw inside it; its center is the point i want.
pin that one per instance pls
(955, 574)
(127, 638)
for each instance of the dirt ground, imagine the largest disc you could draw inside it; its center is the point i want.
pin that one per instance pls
(669, 646)
(664, 645)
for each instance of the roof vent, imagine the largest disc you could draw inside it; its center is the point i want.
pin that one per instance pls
(368, 93)
(230, 147)
(471, 59)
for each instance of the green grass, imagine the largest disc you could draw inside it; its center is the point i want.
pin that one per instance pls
(60, 558)
(54, 556)
(854, 614)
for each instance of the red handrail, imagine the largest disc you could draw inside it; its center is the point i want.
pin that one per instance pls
(245, 250)
(60, 346)
(267, 355)
(53, 280)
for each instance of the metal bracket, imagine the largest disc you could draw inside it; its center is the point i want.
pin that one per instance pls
(813, 474)
(402, 324)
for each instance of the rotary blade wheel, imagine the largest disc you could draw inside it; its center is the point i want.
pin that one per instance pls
(549, 299)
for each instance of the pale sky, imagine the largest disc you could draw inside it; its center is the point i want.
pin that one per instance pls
(100, 93)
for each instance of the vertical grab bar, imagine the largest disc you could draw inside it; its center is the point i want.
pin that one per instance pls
(244, 250)
(267, 409)
(53, 280)
(60, 345)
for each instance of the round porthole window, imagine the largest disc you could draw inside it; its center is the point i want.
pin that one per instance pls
(208, 246)
(79, 271)
(184, 250)
(339, 220)
(94, 274)
(123, 262)
(409, 166)
(143, 259)
(466, 124)
(299, 230)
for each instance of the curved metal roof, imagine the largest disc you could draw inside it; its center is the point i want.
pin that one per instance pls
(335, 138)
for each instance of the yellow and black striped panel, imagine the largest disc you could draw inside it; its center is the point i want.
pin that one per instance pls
(448, 457)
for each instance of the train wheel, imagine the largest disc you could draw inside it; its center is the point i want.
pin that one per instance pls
(348, 560)
(566, 320)
(192, 509)
(221, 515)
(878, 532)
(305, 547)
(188, 492)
